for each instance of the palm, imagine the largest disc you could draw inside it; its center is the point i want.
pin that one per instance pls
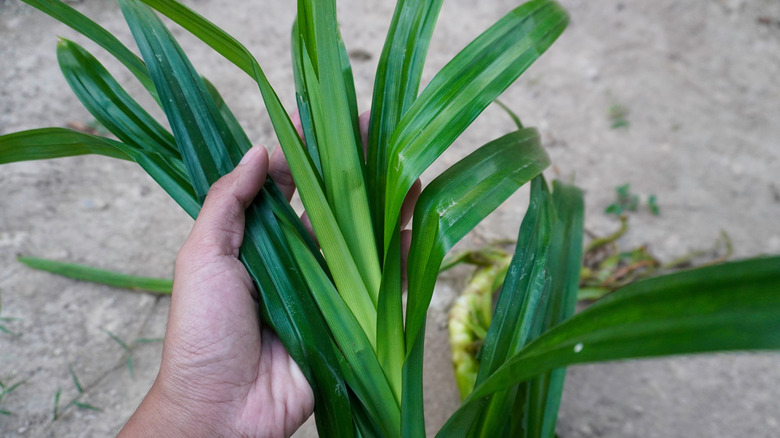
(242, 373)
(222, 373)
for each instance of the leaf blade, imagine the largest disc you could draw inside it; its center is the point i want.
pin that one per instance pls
(82, 24)
(210, 150)
(462, 90)
(47, 143)
(457, 201)
(396, 85)
(87, 273)
(109, 103)
(732, 306)
(344, 271)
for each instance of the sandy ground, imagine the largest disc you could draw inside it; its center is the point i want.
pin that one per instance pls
(699, 81)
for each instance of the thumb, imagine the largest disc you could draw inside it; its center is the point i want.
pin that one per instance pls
(219, 227)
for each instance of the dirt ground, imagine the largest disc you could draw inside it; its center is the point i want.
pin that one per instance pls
(696, 79)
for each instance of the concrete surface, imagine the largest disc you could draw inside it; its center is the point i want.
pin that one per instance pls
(699, 80)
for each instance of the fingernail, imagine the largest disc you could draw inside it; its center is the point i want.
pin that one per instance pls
(249, 155)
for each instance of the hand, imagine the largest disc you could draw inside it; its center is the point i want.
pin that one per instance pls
(221, 373)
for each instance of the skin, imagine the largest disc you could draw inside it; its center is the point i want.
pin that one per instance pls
(223, 373)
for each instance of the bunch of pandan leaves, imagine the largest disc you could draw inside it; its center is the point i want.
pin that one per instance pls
(338, 306)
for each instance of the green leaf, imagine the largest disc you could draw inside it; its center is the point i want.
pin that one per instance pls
(371, 385)
(130, 367)
(515, 118)
(412, 403)
(334, 120)
(240, 137)
(56, 410)
(652, 203)
(109, 103)
(185, 99)
(520, 308)
(462, 90)
(304, 99)
(12, 388)
(148, 340)
(118, 341)
(732, 306)
(391, 347)
(46, 143)
(396, 85)
(75, 379)
(95, 275)
(80, 23)
(210, 150)
(545, 391)
(453, 204)
(85, 406)
(343, 269)
(456, 201)
(290, 310)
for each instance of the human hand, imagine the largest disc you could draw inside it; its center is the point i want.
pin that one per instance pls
(222, 373)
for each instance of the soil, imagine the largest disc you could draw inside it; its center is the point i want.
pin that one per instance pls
(695, 83)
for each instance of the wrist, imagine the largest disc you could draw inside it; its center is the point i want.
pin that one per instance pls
(162, 413)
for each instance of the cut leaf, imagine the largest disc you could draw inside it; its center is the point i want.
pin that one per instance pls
(102, 276)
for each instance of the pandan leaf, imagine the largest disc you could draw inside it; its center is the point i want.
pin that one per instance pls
(82, 24)
(101, 276)
(456, 201)
(520, 308)
(546, 390)
(343, 269)
(462, 90)
(372, 387)
(453, 204)
(109, 103)
(46, 143)
(334, 119)
(396, 86)
(732, 306)
(210, 151)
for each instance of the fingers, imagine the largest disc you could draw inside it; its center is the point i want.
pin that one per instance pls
(278, 169)
(219, 228)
